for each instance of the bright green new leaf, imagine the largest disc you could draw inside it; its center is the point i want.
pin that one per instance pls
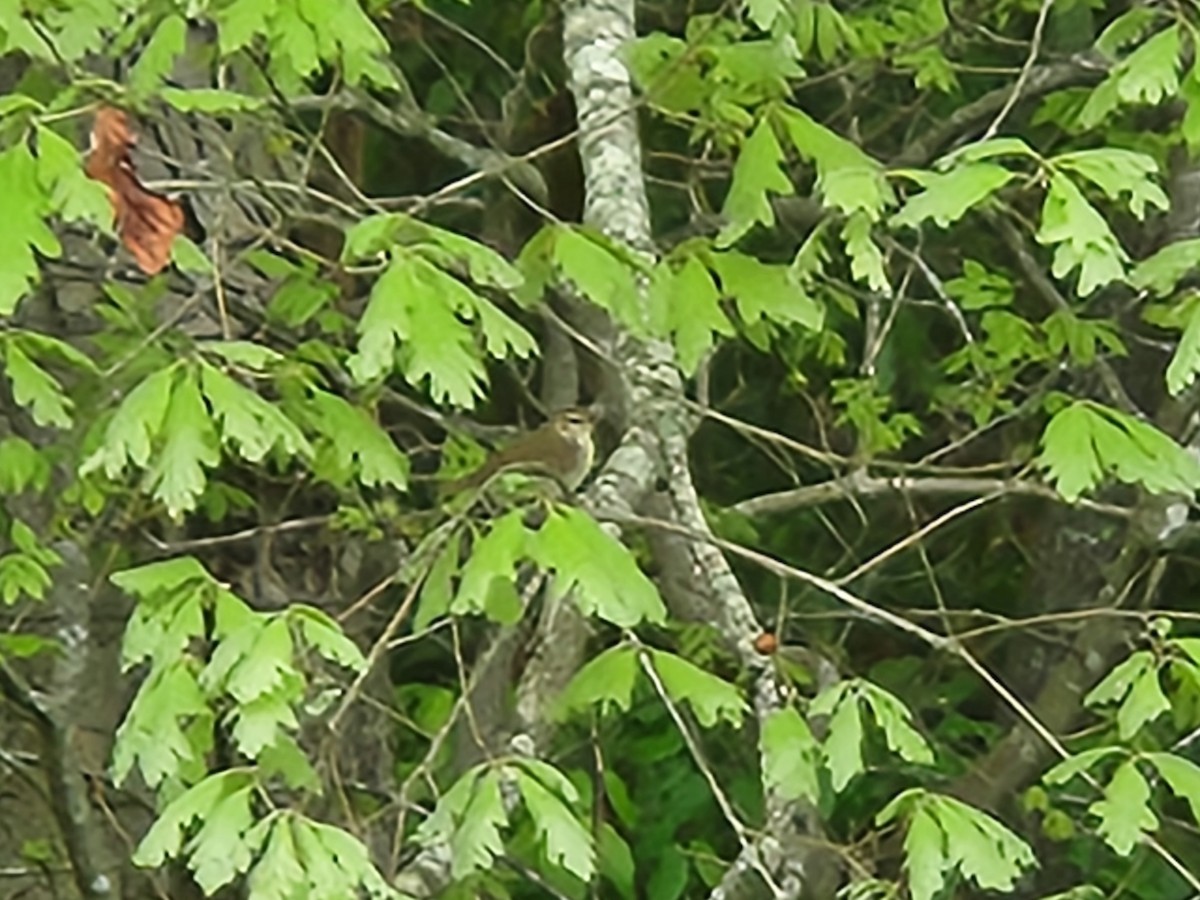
(604, 576)
(790, 756)
(947, 197)
(190, 445)
(152, 735)
(894, 718)
(712, 699)
(1081, 338)
(22, 205)
(158, 57)
(135, 426)
(1189, 91)
(489, 578)
(1185, 362)
(1077, 764)
(1134, 685)
(411, 318)
(843, 744)
(70, 193)
(360, 47)
(266, 666)
(323, 634)
(239, 22)
(764, 291)
(989, 149)
(566, 841)
(602, 275)
(22, 466)
(1147, 75)
(866, 259)
(35, 389)
(1118, 172)
(1124, 813)
(248, 424)
(1083, 237)
(1085, 441)
(606, 679)
(1182, 776)
(692, 309)
(164, 840)
(759, 170)
(763, 13)
(279, 874)
(981, 848)
(209, 101)
(354, 446)
(850, 180)
(161, 578)
(925, 855)
(979, 288)
(22, 575)
(219, 851)
(258, 723)
(476, 842)
(1160, 272)
(438, 588)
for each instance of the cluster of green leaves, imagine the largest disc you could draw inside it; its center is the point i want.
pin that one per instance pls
(213, 661)
(588, 564)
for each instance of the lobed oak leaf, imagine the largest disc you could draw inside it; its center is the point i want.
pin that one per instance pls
(146, 222)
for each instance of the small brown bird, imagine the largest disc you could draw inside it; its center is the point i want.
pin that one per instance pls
(562, 448)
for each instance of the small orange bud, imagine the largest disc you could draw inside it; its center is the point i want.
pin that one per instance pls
(766, 643)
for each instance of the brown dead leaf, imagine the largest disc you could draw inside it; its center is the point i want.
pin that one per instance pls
(146, 222)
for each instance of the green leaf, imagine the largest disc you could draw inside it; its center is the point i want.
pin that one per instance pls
(712, 699)
(190, 446)
(607, 679)
(843, 744)
(763, 291)
(1133, 684)
(208, 101)
(847, 178)
(1163, 270)
(615, 861)
(489, 578)
(1124, 813)
(476, 842)
(1182, 776)
(158, 58)
(164, 840)
(138, 421)
(69, 192)
(241, 21)
(279, 874)
(567, 843)
(693, 313)
(1083, 237)
(602, 275)
(354, 446)
(1148, 75)
(980, 847)
(866, 260)
(22, 205)
(946, 198)
(325, 635)
(1082, 338)
(925, 855)
(249, 425)
(980, 288)
(790, 756)
(896, 721)
(759, 170)
(602, 572)
(1085, 441)
(34, 389)
(1075, 765)
(1185, 362)
(1117, 172)
(22, 466)
(413, 298)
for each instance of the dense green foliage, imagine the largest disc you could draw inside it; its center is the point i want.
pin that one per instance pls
(927, 270)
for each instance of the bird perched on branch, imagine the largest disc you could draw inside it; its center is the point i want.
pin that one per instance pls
(562, 448)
